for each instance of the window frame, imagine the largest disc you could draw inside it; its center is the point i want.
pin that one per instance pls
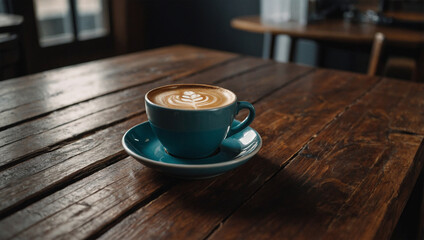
(74, 26)
(63, 54)
(7, 6)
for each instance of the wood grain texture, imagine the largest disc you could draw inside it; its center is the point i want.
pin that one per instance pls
(13, 176)
(31, 180)
(86, 205)
(350, 182)
(341, 153)
(331, 29)
(105, 66)
(44, 172)
(286, 119)
(84, 109)
(38, 135)
(137, 69)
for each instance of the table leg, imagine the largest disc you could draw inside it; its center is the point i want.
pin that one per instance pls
(292, 53)
(269, 45)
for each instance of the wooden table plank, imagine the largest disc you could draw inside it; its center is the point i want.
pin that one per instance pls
(139, 182)
(340, 154)
(50, 83)
(96, 114)
(40, 80)
(403, 120)
(36, 176)
(40, 175)
(346, 183)
(43, 88)
(286, 120)
(177, 62)
(75, 112)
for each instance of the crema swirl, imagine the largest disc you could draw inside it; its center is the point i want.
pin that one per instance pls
(191, 96)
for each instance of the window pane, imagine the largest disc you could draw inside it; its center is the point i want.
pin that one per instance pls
(54, 21)
(91, 18)
(2, 6)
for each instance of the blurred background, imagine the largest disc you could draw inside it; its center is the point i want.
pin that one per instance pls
(37, 35)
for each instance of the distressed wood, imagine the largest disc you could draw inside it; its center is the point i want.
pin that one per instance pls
(341, 153)
(266, 75)
(64, 74)
(193, 210)
(74, 159)
(79, 119)
(75, 112)
(86, 205)
(38, 175)
(350, 182)
(116, 66)
(176, 62)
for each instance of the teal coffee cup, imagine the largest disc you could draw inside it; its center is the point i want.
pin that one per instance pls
(192, 120)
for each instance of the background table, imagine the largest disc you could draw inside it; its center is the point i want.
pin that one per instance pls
(335, 30)
(341, 153)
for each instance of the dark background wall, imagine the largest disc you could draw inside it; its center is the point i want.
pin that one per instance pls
(144, 24)
(203, 23)
(206, 23)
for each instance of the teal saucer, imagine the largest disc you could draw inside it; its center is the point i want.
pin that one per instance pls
(141, 143)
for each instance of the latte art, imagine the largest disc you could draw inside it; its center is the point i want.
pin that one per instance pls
(191, 96)
(191, 99)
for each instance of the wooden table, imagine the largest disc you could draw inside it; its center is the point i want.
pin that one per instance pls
(331, 30)
(341, 153)
(335, 30)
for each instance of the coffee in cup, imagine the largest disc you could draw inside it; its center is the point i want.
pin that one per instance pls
(191, 120)
(191, 97)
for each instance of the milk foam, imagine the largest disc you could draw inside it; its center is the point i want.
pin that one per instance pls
(191, 96)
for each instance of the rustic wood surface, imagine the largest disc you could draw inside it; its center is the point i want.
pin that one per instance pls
(341, 153)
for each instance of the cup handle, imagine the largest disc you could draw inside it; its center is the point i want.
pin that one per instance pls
(248, 120)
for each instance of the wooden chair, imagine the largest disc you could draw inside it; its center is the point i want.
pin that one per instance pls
(375, 53)
(401, 68)
(395, 67)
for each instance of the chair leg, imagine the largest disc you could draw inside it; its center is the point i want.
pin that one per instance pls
(375, 53)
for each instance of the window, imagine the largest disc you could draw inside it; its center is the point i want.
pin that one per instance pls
(66, 21)
(54, 22)
(3, 6)
(91, 19)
